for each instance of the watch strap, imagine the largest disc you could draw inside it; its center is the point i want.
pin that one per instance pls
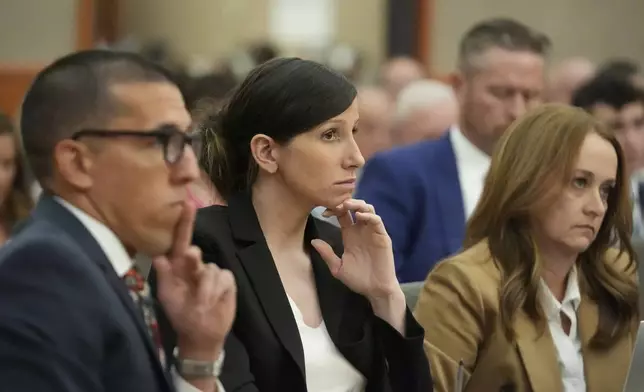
(191, 368)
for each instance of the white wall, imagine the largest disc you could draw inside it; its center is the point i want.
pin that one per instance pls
(593, 28)
(215, 28)
(36, 31)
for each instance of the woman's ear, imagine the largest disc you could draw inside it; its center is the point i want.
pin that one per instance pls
(265, 152)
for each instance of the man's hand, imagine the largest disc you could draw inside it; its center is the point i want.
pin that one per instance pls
(199, 299)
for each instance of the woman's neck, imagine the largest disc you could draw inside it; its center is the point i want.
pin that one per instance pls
(555, 270)
(281, 216)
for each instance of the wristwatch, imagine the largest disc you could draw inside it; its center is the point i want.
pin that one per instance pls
(191, 368)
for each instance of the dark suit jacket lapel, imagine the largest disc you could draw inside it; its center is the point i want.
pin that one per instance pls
(344, 321)
(258, 263)
(50, 210)
(330, 290)
(449, 195)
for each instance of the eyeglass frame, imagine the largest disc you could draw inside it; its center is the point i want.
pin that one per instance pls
(163, 134)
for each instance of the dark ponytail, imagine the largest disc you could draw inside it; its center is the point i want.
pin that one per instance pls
(217, 156)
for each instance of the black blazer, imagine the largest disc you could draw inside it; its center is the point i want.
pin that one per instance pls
(264, 351)
(67, 322)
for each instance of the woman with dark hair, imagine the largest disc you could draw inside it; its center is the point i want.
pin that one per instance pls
(319, 309)
(15, 199)
(544, 295)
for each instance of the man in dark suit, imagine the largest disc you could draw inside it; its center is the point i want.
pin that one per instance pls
(425, 192)
(105, 135)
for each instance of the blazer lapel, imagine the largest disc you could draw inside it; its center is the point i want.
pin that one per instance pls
(614, 362)
(344, 325)
(538, 355)
(258, 263)
(56, 214)
(588, 317)
(330, 290)
(449, 196)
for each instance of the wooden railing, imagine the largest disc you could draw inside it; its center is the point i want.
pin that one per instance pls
(14, 82)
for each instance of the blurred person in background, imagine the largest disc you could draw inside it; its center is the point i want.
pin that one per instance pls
(396, 73)
(262, 52)
(544, 295)
(319, 308)
(15, 198)
(425, 110)
(207, 92)
(623, 68)
(204, 97)
(376, 116)
(347, 60)
(426, 191)
(567, 76)
(619, 104)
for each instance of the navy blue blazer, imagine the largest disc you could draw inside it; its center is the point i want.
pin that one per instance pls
(67, 322)
(416, 191)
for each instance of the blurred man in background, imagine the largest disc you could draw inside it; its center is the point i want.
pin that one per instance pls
(623, 68)
(425, 192)
(376, 114)
(567, 76)
(396, 73)
(425, 110)
(619, 104)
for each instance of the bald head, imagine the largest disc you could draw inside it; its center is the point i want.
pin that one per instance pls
(398, 72)
(568, 76)
(376, 112)
(425, 109)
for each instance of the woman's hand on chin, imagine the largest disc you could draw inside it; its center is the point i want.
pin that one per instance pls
(367, 265)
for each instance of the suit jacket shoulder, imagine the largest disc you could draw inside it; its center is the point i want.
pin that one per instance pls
(63, 325)
(425, 151)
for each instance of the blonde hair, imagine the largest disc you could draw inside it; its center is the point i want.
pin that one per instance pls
(19, 203)
(533, 160)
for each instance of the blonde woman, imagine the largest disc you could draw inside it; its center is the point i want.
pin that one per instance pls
(543, 298)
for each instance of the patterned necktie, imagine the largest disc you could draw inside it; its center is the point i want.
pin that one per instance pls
(140, 293)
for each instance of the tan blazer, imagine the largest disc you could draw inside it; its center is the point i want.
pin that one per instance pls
(459, 309)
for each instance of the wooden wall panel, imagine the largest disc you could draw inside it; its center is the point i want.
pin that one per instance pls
(424, 24)
(15, 78)
(14, 82)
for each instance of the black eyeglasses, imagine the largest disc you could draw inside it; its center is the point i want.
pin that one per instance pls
(173, 140)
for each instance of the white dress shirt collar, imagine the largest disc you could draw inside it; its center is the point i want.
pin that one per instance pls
(567, 343)
(122, 262)
(465, 150)
(552, 306)
(107, 240)
(472, 164)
